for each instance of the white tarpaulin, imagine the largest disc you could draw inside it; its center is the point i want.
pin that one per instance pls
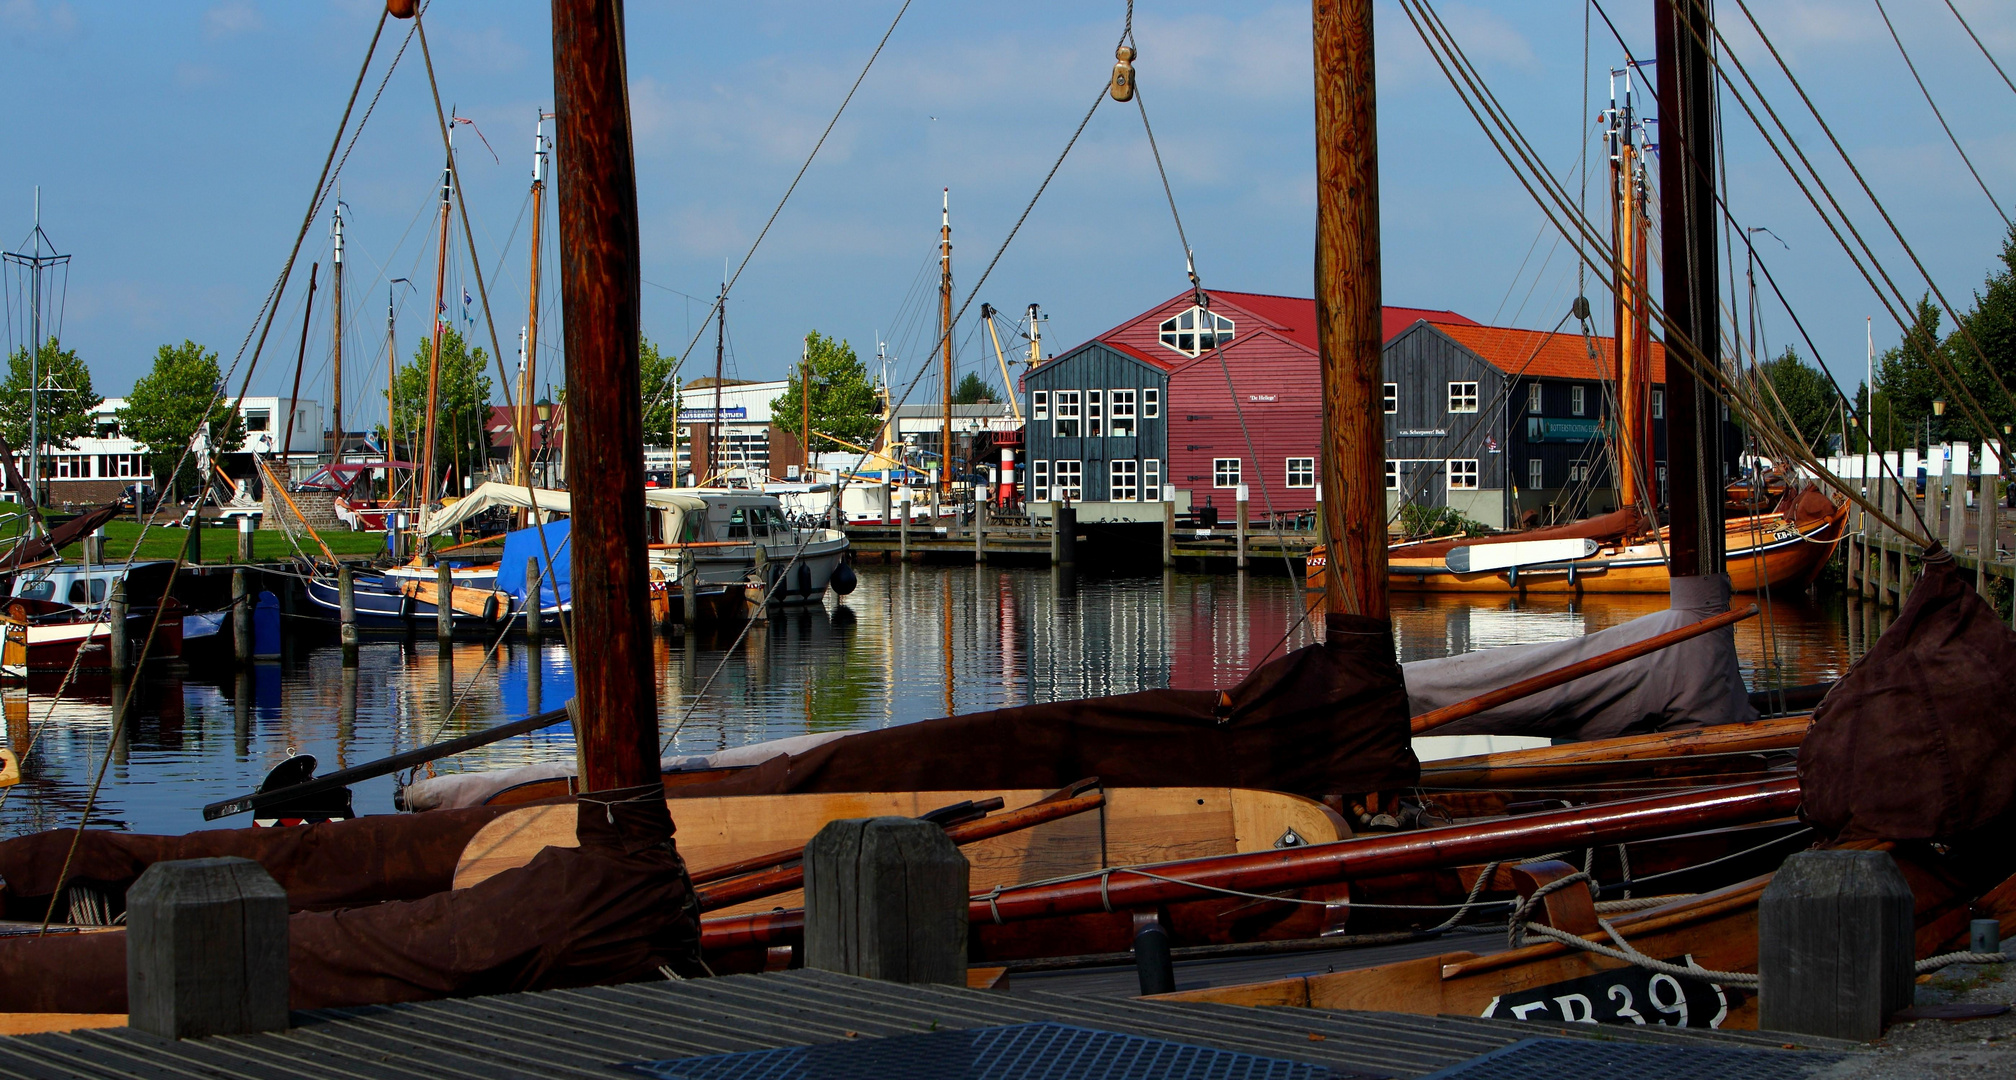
(488, 495)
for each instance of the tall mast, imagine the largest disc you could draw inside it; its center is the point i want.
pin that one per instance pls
(618, 727)
(392, 388)
(35, 362)
(805, 404)
(1691, 288)
(336, 353)
(434, 352)
(1634, 456)
(521, 457)
(1035, 337)
(945, 326)
(717, 440)
(1348, 308)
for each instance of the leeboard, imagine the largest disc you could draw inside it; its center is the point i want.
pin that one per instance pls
(1478, 558)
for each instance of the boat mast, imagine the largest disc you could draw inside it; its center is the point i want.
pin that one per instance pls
(336, 355)
(945, 327)
(717, 440)
(1690, 290)
(617, 727)
(1627, 186)
(1035, 337)
(434, 351)
(521, 458)
(1348, 308)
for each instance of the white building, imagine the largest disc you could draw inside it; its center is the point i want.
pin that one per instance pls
(101, 465)
(744, 425)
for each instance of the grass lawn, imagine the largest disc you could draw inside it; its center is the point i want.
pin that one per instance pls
(220, 543)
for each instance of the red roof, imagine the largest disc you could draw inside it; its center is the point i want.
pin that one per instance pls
(1293, 317)
(1536, 352)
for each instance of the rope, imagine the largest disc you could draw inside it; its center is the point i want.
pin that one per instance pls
(1629, 955)
(1979, 45)
(1515, 931)
(1934, 963)
(1948, 128)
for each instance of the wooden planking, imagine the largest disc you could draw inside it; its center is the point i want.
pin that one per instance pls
(37, 1023)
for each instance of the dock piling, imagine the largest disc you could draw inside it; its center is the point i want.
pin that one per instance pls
(886, 898)
(979, 532)
(206, 949)
(1066, 524)
(759, 611)
(1834, 945)
(346, 594)
(1956, 496)
(903, 524)
(192, 547)
(444, 601)
(1239, 520)
(534, 616)
(689, 589)
(241, 617)
(1169, 533)
(244, 538)
(115, 628)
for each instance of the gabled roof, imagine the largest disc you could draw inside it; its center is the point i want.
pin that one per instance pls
(1537, 352)
(1292, 317)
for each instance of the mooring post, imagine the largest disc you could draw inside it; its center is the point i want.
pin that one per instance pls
(1985, 528)
(1056, 533)
(244, 538)
(885, 898)
(1834, 945)
(1067, 537)
(689, 587)
(192, 549)
(1239, 516)
(1956, 495)
(241, 617)
(206, 949)
(534, 604)
(1169, 533)
(346, 596)
(444, 601)
(115, 628)
(903, 524)
(979, 531)
(1893, 500)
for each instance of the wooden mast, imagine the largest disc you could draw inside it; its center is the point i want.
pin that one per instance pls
(1690, 289)
(336, 353)
(616, 725)
(434, 351)
(1348, 308)
(1634, 389)
(521, 457)
(945, 327)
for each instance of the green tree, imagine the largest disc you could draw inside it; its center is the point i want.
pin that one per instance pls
(461, 441)
(1907, 381)
(661, 420)
(173, 402)
(971, 389)
(1801, 399)
(65, 404)
(1992, 327)
(843, 400)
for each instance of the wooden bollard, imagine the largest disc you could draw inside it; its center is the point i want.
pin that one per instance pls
(120, 644)
(689, 587)
(206, 949)
(346, 605)
(1956, 494)
(241, 617)
(1067, 534)
(1168, 532)
(885, 898)
(979, 531)
(903, 525)
(244, 538)
(192, 549)
(535, 618)
(1834, 945)
(1239, 520)
(1056, 533)
(444, 601)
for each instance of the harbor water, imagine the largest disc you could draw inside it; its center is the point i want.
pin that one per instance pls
(911, 643)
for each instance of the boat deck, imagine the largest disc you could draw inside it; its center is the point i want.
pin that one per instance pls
(583, 1033)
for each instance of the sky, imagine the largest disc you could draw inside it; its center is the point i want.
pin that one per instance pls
(176, 147)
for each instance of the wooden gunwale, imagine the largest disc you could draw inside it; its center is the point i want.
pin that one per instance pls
(1521, 767)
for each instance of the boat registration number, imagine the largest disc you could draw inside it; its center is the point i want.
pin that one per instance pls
(1629, 995)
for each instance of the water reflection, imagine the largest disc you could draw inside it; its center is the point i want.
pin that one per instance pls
(910, 643)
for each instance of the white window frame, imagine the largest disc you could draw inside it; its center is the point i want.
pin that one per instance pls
(1095, 414)
(1462, 473)
(1224, 477)
(1462, 397)
(1578, 399)
(1578, 472)
(1066, 410)
(1123, 479)
(1039, 481)
(1122, 418)
(1392, 476)
(1391, 396)
(1151, 403)
(1067, 475)
(1658, 404)
(1151, 479)
(1536, 473)
(1301, 472)
(1195, 331)
(1535, 398)
(1039, 404)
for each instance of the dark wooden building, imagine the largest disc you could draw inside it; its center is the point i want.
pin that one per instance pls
(1096, 427)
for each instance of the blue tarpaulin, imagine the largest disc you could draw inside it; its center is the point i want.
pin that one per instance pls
(555, 584)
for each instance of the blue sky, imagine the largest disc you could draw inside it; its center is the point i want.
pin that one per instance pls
(176, 143)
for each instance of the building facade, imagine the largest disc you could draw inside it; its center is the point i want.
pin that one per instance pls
(1096, 429)
(100, 466)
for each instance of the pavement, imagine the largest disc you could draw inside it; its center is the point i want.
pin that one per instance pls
(1943, 1049)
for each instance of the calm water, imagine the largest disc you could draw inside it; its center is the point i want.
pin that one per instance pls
(911, 643)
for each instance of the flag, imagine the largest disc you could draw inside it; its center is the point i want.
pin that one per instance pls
(466, 298)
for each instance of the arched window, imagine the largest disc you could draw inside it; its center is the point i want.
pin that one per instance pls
(1196, 331)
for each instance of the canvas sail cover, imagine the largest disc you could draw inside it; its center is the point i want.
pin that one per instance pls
(491, 494)
(1695, 683)
(1917, 740)
(556, 563)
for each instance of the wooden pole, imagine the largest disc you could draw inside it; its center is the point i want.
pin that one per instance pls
(945, 324)
(1688, 221)
(979, 532)
(434, 351)
(241, 616)
(528, 380)
(1956, 494)
(1168, 533)
(886, 898)
(117, 641)
(206, 949)
(689, 589)
(346, 594)
(1239, 522)
(535, 617)
(336, 343)
(617, 696)
(1834, 945)
(444, 602)
(1348, 330)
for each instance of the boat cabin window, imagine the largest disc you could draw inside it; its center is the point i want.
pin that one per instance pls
(83, 591)
(37, 590)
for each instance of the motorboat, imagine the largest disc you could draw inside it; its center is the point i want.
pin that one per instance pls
(725, 532)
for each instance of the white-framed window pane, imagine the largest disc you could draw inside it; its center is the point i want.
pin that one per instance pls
(1122, 402)
(1577, 397)
(1462, 474)
(1124, 478)
(1151, 479)
(1392, 476)
(1301, 472)
(1151, 404)
(1392, 397)
(1039, 405)
(1039, 481)
(1066, 421)
(1225, 472)
(1536, 473)
(1195, 331)
(1095, 413)
(1658, 404)
(1069, 480)
(1462, 397)
(1533, 398)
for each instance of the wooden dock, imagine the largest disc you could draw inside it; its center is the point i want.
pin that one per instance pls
(584, 1033)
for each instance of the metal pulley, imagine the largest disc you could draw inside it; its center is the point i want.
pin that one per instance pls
(1122, 87)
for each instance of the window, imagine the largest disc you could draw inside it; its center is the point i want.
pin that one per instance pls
(1065, 426)
(1095, 413)
(1536, 474)
(1462, 474)
(1126, 480)
(1658, 404)
(1392, 476)
(1196, 331)
(1392, 397)
(1151, 478)
(1151, 404)
(1462, 397)
(108, 427)
(1039, 481)
(1069, 480)
(1301, 472)
(1576, 396)
(1533, 398)
(1123, 414)
(73, 467)
(1225, 472)
(257, 419)
(1578, 472)
(1039, 405)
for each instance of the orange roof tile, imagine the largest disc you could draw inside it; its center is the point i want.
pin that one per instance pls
(1537, 352)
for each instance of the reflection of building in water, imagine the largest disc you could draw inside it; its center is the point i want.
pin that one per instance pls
(1097, 638)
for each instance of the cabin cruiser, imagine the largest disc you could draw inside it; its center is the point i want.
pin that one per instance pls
(723, 529)
(56, 612)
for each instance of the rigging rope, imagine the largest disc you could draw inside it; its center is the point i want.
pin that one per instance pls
(1944, 126)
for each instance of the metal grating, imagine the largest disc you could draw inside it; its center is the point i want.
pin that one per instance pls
(1013, 1052)
(1548, 1059)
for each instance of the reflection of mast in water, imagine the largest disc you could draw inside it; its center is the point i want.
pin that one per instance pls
(1011, 636)
(346, 715)
(951, 707)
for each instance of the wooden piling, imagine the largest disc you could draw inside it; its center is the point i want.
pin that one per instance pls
(241, 616)
(1985, 526)
(444, 601)
(206, 949)
(1834, 945)
(117, 640)
(979, 531)
(192, 547)
(903, 525)
(1168, 532)
(1956, 500)
(346, 592)
(535, 621)
(244, 538)
(886, 898)
(1239, 515)
(1056, 533)
(759, 610)
(689, 588)
(1067, 534)
(1892, 495)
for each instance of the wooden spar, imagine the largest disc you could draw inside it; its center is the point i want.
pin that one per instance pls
(616, 696)
(749, 887)
(336, 343)
(1361, 857)
(1687, 248)
(528, 380)
(1584, 760)
(1635, 452)
(1349, 338)
(287, 440)
(1449, 714)
(945, 325)
(434, 351)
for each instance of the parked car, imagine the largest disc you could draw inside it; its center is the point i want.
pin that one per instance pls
(139, 497)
